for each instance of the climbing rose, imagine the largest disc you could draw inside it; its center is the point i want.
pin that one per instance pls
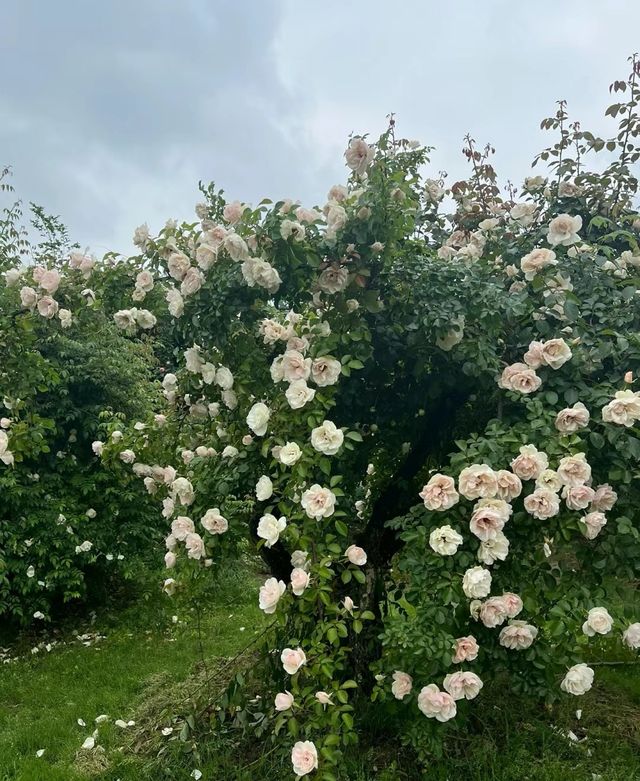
(530, 463)
(466, 649)
(463, 685)
(439, 493)
(436, 704)
(520, 378)
(604, 499)
(631, 636)
(304, 757)
(292, 660)
(624, 409)
(563, 229)
(325, 371)
(572, 419)
(478, 481)
(518, 635)
(402, 684)
(445, 540)
(258, 419)
(592, 524)
(542, 504)
(536, 261)
(578, 680)
(574, 470)
(598, 622)
(299, 581)
(270, 593)
(264, 488)
(270, 528)
(356, 555)
(284, 701)
(327, 438)
(359, 155)
(213, 522)
(476, 582)
(318, 502)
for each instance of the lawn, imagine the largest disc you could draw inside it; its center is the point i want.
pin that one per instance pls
(145, 655)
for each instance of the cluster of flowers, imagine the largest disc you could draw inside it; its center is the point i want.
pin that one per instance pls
(522, 377)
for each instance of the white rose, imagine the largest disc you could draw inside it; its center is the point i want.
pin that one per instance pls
(236, 247)
(520, 378)
(333, 279)
(175, 301)
(270, 528)
(555, 353)
(318, 502)
(289, 453)
(578, 680)
(304, 757)
(631, 636)
(477, 481)
(292, 660)
(298, 394)
(530, 464)
(598, 622)
(325, 370)
(178, 265)
(542, 504)
(356, 555)
(445, 541)
(537, 260)
(258, 419)
(195, 546)
(572, 419)
(563, 229)
(327, 438)
(574, 470)
(145, 319)
(462, 685)
(191, 282)
(47, 307)
(264, 488)
(213, 522)
(270, 593)
(359, 155)
(439, 493)
(50, 281)
(299, 580)
(624, 409)
(494, 549)
(518, 636)
(402, 684)
(476, 582)
(592, 524)
(284, 701)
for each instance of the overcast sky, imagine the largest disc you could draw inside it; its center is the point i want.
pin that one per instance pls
(110, 112)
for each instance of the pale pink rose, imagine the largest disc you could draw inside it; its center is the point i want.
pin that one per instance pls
(520, 378)
(292, 229)
(28, 297)
(533, 357)
(598, 622)
(478, 481)
(304, 757)
(272, 331)
(563, 230)
(542, 504)
(356, 555)
(270, 593)
(436, 704)
(338, 193)
(181, 527)
(511, 603)
(324, 698)
(239, 251)
(295, 366)
(402, 685)
(592, 524)
(191, 282)
(631, 636)
(578, 497)
(509, 485)
(325, 371)
(604, 499)
(284, 701)
(47, 307)
(492, 613)
(318, 502)
(270, 528)
(623, 409)
(572, 419)
(128, 456)
(178, 265)
(144, 281)
(307, 215)
(494, 549)
(537, 260)
(359, 155)
(578, 680)
(628, 377)
(530, 464)
(299, 581)
(214, 522)
(574, 470)
(232, 212)
(170, 559)
(486, 523)
(439, 493)
(463, 685)
(299, 343)
(518, 636)
(292, 660)
(50, 281)
(195, 546)
(333, 279)
(555, 353)
(466, 649)
(298, 394)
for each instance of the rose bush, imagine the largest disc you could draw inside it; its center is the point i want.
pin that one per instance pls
(418, 402)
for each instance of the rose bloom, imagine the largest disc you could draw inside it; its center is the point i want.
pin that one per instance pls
(520, 378)
(574, 470)
(359, 155)
(307, 215)
(463, 685)
(624, 409)
(270, 593)
(284, 701)
(537, 260)
(28, 297)
(272, 331)
(264, 489)
(555, 353)
(598, 622)
(327, 438)
(445, 540)
(175, 301)
(170, 559)
(304, 757)
(572, 419)
(270, 527)
(533, 357)
(530, 464)
(289, 454)
(144, 281)
(206, 256)
(592, 524)
(563, 229)
(436, 704)
(299, 581)
(292, 660)
(182, 488)
(466, 649)
(325, 371)
(402, 684)
(97, 447)
(333, 279)
(318, 502)
(495, 549)
(236, 247)
(50, 281)
(578, 497)
(631, 636)
(336, 220)
(523, 213)
(178, 265)
(258, 419)
(476, 582)
(47, 307)
(439, 493)
(195, 546)
(518, 636)
(232, 212)
(192, 282)
(128, 456)
(550, 480)
(295, 366)
(300, 559)
(292, 229)
(604, 499)
(542, 504)
(492, 613)
(478, 481)
(356, 555)
(298, 394)
(486, 522)
(214, 522)
(578, 680)
(145, 319)
(509, 485)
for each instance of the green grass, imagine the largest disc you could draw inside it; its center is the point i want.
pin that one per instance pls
(147, 668)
